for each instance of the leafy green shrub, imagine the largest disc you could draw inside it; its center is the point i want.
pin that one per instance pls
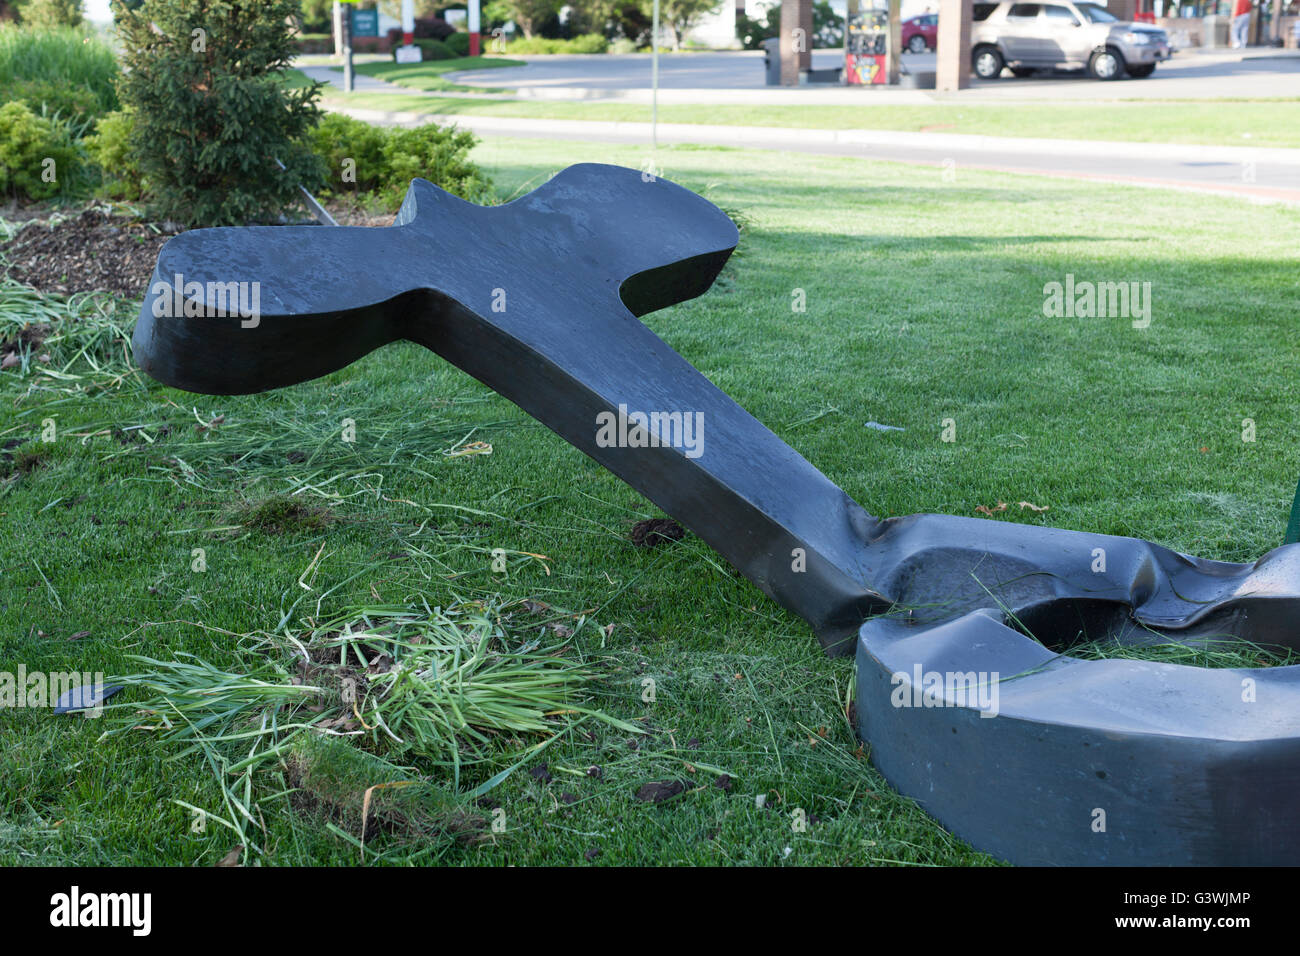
(43, 14)
(426, 28)
(314, 43)
(61, 66)
(752, 32)
(458, 43)
(624, 45)
(586, 43)
(38, 158)
(431, 49)
(439, 154)
(51, 99)
(384, 161)
(317, 16)
(212, 111)
(828, 27)
(434, 28)
(534, 45)
(352, 152)
(110, 148)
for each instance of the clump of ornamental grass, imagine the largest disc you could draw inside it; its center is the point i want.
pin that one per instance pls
(451, 691)
(56, 60)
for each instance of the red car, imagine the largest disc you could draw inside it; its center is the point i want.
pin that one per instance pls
(920, 33)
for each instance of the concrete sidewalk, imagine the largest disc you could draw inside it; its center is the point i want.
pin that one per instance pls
(1253, 173)
(333, 76)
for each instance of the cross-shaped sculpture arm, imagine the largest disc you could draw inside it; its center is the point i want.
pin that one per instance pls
(538, 299)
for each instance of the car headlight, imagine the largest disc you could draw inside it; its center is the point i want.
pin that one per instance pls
(1139, 38)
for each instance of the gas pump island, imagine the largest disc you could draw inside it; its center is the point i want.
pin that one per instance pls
(871, 46)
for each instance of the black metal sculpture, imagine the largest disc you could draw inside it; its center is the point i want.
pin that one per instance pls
(1025, 752)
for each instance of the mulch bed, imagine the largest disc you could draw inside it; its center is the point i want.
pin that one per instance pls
(98, 251)
(95, 251)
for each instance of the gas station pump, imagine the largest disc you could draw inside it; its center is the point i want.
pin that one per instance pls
(871, 43)
(866, 48)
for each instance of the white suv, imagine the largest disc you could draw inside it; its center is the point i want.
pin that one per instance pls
(1062, 35)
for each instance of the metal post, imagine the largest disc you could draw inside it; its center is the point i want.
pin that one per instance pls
(1293, 525)
(475, 27)
(850, 11)
(347, 50)
(895, 41)
(654, 78)
(320, 212)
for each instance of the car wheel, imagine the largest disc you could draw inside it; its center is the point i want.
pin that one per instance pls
(1106, 65)
(916, 44)
(1022, 71)
(1142, 72)
(987, 62)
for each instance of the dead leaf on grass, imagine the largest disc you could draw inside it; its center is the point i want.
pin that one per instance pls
(231, 858)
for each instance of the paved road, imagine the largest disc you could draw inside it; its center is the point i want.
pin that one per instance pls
(738, 70)
(738, 76)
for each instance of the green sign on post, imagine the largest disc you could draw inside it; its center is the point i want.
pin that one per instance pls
(1293, 526)
(365, 23)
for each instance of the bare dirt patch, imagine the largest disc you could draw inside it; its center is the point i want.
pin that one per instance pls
(656, 531)
(282, 515)
(28, 339)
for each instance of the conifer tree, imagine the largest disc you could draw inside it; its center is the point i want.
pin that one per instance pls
(205, 83)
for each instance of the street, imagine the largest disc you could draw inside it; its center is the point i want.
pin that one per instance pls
(705, 77)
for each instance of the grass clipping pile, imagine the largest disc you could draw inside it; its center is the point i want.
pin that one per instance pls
(380, 689)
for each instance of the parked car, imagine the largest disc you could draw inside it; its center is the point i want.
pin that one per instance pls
(1062, 35)
(920, 33)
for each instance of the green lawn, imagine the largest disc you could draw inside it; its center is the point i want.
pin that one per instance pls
(924, 302)
(1227, 123)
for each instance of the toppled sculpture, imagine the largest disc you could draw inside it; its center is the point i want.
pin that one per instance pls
(1033, 756)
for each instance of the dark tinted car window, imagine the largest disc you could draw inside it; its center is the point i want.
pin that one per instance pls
(982, 11)
(1096, 14)
(1058, 14)
(1023, 11)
